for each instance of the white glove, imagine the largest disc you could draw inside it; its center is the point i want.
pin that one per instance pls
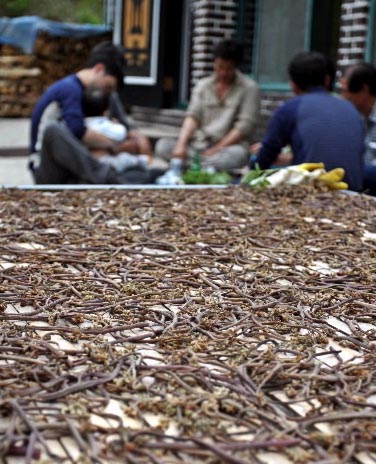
(293, 175)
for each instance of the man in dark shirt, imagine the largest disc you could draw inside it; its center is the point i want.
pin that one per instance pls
(319, 127)
(358, 85)
(61, 143)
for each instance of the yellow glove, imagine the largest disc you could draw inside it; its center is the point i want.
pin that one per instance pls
(333, 179)
(338, 186)
(335, 175)
(311, 166)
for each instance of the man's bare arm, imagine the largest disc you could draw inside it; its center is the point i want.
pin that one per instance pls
(188, 128)
(231, 138)
(96, 141)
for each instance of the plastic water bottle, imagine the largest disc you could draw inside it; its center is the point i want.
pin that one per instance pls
(176, 166)
(196, 162)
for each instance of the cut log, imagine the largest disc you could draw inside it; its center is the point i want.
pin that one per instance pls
(23, 78)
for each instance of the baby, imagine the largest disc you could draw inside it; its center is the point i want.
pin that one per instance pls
(95, 103)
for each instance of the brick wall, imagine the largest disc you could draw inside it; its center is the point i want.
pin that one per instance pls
(353, 32)
(213, 20)
(269, 102)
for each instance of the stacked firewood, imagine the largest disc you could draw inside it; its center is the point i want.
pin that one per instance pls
(23, 78)
(20, 83)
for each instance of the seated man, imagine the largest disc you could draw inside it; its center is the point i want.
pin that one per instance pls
(221, 115)
(61, 150)
(319, 127)
(359, 86)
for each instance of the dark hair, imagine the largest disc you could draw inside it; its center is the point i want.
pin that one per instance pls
(359, 75)
(229, 50)
(308, 69)
(95, 101)
(111, 56)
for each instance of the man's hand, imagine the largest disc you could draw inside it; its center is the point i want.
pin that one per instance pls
(97, 141)
(211, 151)
(255, 148)
(188, 128)
(179, 151)
(231, 138)
(136, 143)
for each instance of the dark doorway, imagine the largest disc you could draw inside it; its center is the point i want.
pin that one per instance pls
(172, 52)
(325, 27)
(173, 56)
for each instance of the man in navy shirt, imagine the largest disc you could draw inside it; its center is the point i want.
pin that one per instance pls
(319, 127)
(60, 141)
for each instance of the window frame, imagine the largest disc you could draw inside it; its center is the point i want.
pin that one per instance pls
(278, 86)
(370, 54)
(152, 78)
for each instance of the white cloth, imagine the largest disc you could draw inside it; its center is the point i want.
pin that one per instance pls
(113, 130)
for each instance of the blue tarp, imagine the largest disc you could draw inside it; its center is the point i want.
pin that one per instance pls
(22, 32)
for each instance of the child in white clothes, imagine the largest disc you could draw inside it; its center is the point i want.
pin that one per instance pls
(95, 103)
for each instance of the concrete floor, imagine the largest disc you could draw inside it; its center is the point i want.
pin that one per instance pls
(14, 136)
(14, 140)
(14, 171)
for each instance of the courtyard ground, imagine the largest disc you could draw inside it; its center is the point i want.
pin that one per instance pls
(14, 134)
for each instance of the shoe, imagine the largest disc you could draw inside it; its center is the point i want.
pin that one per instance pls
(169, 178)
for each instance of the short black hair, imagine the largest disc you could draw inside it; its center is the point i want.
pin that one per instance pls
(359, 75)
(308, 70)
(95, 101)
(111, 56)
(230, 50)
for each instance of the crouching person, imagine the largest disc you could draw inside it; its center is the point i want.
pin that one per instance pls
(220, 118)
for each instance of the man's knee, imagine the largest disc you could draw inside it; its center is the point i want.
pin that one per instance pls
(57, 138)
(53, 130)
(164, 148)
(233, 157)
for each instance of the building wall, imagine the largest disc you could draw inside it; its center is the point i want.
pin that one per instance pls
(352, 48)
(353, 32)
(213, 20)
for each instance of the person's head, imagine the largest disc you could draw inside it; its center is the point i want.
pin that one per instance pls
(308, 70)
(358, 85)
(95, 101)
(227, 57)
(107, 64)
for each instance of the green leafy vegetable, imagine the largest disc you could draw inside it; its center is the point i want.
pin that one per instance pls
(257, 178)
(202, 177)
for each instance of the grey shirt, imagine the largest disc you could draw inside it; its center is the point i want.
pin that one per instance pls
(216, 118)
